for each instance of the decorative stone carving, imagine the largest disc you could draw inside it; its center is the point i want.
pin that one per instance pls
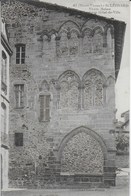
(82, 155)
(69, 92)
(109, 39)
(87, 41)
(68, 44)
(62, 47)
(88, 94)
(98, 92)
(98, 42)
(69, 41)
(93, 91)
(64, 95)
(44, 86)
(73, 44)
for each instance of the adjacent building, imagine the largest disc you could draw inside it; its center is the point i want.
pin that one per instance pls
(126, 124)
(122, 141)
(62, 95)
(6, 52)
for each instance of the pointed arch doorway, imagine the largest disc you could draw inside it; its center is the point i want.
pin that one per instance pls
(82, 152)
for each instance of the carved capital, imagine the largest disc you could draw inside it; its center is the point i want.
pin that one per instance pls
(81, 86)
(56, 84)
(57, 38)
(69, 35)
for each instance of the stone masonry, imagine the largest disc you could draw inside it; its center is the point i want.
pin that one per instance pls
(69, 58)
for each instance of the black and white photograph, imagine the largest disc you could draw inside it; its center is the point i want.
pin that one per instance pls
(64, 95)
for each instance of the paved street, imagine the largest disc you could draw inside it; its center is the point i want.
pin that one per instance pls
(121, 189)
(109, 192)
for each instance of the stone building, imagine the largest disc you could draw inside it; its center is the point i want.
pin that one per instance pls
(62, 101)
(5, 52)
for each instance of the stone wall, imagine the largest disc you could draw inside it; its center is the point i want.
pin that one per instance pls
(72, 61)
(122, 161)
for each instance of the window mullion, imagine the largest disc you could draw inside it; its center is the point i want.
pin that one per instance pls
(20, 54)
(44, 108)
(19, 96)
(93, 95)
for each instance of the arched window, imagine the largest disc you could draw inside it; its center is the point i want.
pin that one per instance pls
(98, 40)
(46, 45)
(98, 94)
(63, 45)
(87, 41)
(109, 39)
(73, 43)
(69, 93)
(88, 94)
(68, 43)
(98, 43)
(93, 89)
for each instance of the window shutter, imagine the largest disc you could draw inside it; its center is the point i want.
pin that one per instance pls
(18, 139)
(41, 107)
(44, 107)
(47, 108)
(19, 95)
(22, 96)
(23, 55)
(17, 54)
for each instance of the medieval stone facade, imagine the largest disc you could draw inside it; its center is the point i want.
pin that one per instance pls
(62, 101)
(5, 53)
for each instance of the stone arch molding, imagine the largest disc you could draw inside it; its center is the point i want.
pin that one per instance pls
(44, 86)
(69, 27)
(82, 151)
(68, 35)
(69, 74)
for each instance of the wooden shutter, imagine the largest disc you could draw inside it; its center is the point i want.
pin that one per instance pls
(23, 55)
(19, 95)
(19, 139)
(41, 107)
(47, 107)
(44, 107)
(17, 54)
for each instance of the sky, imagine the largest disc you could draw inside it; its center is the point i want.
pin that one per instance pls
(119, 10)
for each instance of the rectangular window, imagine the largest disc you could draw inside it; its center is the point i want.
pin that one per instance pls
(19, 95)
(4, 73)
(18, 139)
(44, 107)
(3, 118)
(20, 54)
(4, 68)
